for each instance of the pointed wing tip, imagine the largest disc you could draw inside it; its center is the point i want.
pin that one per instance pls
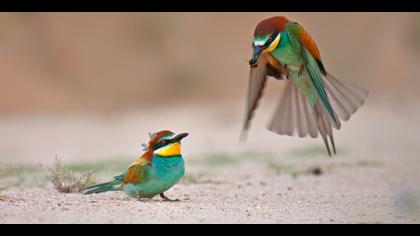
(329, 151)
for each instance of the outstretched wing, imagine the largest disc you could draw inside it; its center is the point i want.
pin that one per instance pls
(339, 98)
(308, 50)
(299, 111)
(267, 65)
(346, 98)
(294, 113)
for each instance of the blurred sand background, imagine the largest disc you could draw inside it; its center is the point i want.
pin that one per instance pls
(88, 87)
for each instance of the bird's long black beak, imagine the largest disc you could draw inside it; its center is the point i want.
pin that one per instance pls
(179, 137)
(255, 55)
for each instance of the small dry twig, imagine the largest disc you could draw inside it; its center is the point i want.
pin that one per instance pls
(67, 181)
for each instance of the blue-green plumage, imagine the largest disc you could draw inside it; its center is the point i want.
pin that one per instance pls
(164, 173)
(287, 52)
(156, 171)
(314, 101)
(298, 59)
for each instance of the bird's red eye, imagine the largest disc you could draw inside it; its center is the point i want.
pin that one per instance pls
(160, 144)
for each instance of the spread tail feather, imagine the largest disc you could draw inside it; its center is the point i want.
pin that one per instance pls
(294, 114)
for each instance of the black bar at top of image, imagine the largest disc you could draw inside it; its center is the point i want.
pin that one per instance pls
(211, 5)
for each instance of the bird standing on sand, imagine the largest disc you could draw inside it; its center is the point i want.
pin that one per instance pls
(156, 171)
(314, 101)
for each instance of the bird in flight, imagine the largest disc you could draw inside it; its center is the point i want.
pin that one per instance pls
(314, 101)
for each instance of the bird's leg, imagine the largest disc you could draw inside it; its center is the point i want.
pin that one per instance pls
(287, 71)
(301, 68)
(162, 195)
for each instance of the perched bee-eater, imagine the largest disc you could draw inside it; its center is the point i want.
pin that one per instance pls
(153, 173)
(314, 101)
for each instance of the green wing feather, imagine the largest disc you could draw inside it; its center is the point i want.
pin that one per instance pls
(136, 173)
(317, 80)
(311, 66)
(314, 101)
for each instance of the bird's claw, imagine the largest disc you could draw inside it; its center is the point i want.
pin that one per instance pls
(165, 198)
(301, 70)
(287, 71)
(171, 200)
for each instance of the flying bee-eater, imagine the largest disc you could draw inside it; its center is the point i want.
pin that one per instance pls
(314, 101)
(154, 172)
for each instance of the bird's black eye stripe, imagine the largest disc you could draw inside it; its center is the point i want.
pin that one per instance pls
(161, 144)
(272, 37)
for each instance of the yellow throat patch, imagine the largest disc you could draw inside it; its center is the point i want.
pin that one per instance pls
(173, 149)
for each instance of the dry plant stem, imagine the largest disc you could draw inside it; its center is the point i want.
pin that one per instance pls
(66, 181)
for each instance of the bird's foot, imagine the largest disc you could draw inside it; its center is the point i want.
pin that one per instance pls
(287, 71)
(162, 195)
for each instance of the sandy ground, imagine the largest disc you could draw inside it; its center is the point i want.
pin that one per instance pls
(269, 179)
